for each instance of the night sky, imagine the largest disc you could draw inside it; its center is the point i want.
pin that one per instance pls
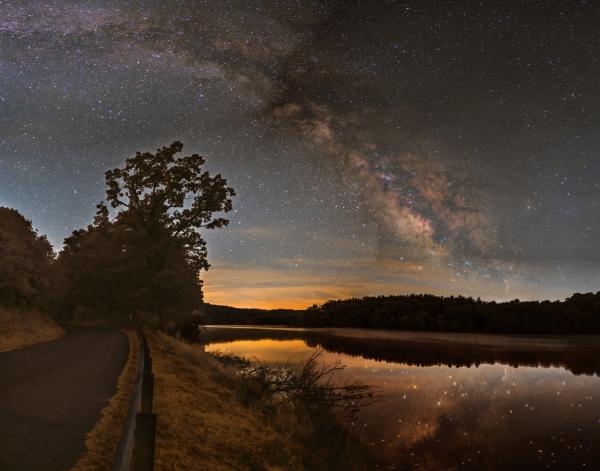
(376, 147)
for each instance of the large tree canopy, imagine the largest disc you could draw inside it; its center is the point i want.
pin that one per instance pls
(169, 199)
(25, 259)
(146, 258)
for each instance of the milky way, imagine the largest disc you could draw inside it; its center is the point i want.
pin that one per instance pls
(376, 147)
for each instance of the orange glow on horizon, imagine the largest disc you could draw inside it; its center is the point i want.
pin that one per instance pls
(267, 304)
(226, 299)
(281, 287)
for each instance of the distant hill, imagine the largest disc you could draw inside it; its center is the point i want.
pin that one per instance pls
(216, 314)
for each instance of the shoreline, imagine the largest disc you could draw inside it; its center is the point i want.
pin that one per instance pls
(209, 417)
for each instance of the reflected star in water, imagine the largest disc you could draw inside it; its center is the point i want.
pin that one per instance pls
(486, 415)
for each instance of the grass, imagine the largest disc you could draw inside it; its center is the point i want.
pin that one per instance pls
(208, 417)
(101, 442)
(20, 329)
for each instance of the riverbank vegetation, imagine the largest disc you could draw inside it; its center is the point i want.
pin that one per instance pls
(212, 417)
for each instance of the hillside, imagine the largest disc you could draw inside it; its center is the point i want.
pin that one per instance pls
(20, 329)
(217, 314)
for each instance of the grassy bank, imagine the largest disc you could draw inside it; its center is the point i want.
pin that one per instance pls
(19, 328)
(210, 418)
(101, 442)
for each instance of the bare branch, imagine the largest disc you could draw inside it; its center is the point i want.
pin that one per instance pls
(313, 385)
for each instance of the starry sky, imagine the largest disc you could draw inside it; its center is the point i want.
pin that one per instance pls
(376, 147)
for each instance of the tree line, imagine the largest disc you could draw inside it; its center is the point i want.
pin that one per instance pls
(140, 258)
(579, 314)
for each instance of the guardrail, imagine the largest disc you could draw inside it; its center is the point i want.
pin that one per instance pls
(138, 438)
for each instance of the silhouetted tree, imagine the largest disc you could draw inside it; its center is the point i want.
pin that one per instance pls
(25, 259)
(148, 256)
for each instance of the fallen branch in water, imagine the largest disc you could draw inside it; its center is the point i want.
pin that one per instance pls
(313, 385)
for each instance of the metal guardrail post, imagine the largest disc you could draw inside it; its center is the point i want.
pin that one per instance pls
(124, 451)
(147, 393)
(144, 442)
(138, 438)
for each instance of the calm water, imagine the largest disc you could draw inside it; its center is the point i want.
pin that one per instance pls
(455, 400)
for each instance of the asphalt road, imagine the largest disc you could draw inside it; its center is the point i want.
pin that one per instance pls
(51, 395)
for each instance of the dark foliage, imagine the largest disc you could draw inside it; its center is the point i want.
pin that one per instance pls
(105, 277)
(579, 314)
(25, 263)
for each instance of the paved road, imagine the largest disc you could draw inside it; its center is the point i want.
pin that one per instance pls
(51, 395)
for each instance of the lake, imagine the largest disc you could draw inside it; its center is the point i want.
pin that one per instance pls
(454, 401)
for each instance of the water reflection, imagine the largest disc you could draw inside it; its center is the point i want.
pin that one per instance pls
(578, 354)
(439, 412)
